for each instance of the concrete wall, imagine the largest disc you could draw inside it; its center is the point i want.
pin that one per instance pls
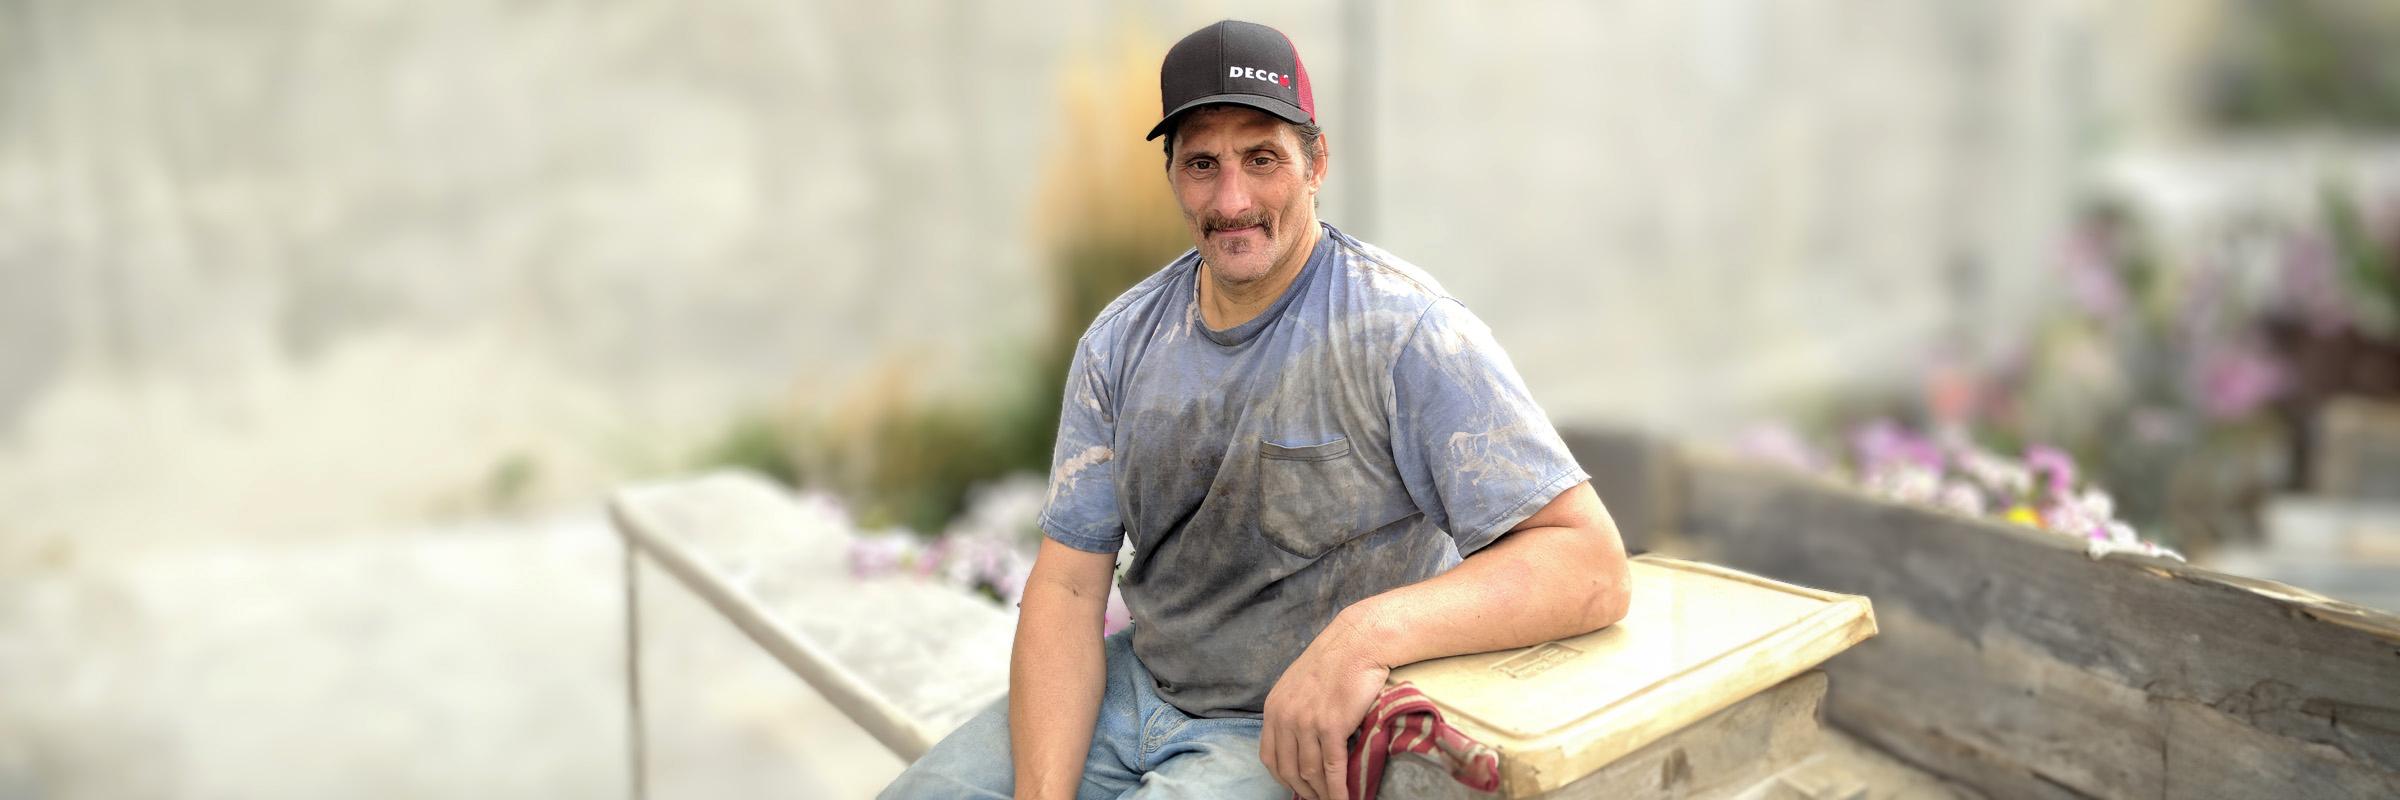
(297, 267)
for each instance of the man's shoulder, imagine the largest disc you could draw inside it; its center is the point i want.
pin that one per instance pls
(1380, 280)
(1143, 298)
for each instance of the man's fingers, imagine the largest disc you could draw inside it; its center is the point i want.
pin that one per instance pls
(1286, 767)
(1266, 748)
(1335, 757)
(1310, 755)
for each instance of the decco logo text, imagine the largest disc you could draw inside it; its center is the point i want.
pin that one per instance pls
(1276, 78)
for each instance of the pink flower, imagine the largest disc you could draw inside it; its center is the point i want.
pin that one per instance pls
(1962, 498)
(2054, 468)
(1993, 473)
(2237, 380)
(1883, 444)
(1905, 482)
(878, 556)
(1779, 444)
(2097, 503)
(930, 560)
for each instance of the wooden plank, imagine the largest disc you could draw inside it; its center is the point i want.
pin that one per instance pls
(1697, 639)
(907, 660)
(2014, 662)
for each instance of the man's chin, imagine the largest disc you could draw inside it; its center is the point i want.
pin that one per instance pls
(1238, 269)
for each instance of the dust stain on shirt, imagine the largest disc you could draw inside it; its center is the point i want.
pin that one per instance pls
(1062, 480)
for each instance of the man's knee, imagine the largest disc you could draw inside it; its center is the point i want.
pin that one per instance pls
(1216, 773)
(972, 761)
(1213, 758)
(915, 783)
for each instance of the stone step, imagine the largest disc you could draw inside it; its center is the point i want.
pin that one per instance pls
(2358, 450)
(1843, 768)
(2363, 582)
(2340, 527)
(2344, 548)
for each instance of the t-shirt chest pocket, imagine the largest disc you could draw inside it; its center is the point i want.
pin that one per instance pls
(1317, 492)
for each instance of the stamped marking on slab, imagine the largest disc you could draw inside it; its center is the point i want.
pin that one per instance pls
(1536, 661)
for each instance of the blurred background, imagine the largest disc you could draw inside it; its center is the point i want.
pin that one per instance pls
(326, 327)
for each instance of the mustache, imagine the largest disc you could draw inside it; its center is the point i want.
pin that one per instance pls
(1213, 223)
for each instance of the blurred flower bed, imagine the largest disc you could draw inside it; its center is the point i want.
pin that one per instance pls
(2186, 384)
(988, 550)
(1950, 472)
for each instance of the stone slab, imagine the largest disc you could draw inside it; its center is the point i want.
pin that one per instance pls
(1697, 639)
(908, 660)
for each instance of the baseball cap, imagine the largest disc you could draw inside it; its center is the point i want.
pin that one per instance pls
(1237, 62)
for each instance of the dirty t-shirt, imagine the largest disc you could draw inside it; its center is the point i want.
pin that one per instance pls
(1361, 434)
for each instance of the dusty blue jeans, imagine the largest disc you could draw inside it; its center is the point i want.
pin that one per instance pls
(1142, 747)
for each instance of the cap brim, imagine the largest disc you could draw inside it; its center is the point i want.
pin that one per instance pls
(1286, 111)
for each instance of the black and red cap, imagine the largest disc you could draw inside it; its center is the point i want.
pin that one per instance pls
(1243, 63)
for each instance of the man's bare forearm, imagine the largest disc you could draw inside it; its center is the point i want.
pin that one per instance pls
(1558, 573)
(1535, 584)
(1057, 671)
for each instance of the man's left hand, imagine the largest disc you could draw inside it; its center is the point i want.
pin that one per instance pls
(1313, 709)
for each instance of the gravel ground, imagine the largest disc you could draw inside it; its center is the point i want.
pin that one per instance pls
(481, 660)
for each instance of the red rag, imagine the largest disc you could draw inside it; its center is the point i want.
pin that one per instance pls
(1404, 720)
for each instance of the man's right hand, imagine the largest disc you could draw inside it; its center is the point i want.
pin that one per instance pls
(1057, 671)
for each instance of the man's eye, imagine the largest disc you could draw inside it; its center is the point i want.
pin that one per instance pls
(1261, 161)
(1202, 164)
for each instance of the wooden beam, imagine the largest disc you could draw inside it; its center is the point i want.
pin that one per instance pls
(2011, 660)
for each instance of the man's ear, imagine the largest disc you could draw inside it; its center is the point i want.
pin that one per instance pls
(1323, 163)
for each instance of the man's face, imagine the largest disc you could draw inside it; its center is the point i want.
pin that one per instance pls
(1248, 196)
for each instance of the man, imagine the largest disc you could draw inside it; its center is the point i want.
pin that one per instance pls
(1302, 435)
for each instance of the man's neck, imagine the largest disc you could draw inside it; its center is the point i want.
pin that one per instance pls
(1224, 306)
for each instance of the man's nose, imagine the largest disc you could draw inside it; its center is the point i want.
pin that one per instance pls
(1232, 197)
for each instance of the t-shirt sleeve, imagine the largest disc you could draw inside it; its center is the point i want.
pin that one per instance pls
(1081, 511)
(1477, 454)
